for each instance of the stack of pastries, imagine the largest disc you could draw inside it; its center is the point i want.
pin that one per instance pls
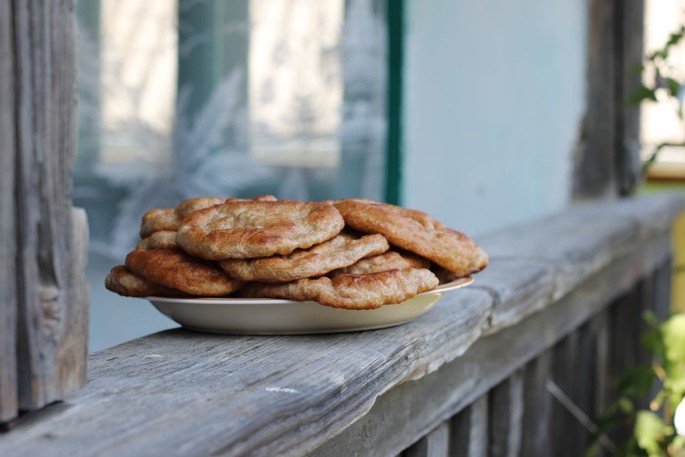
(352, 254)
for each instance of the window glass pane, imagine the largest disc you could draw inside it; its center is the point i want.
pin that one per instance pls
(226, 98)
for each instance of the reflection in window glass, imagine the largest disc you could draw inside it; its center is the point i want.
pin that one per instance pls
(190, 98)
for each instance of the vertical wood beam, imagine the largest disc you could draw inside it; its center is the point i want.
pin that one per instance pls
(537, 407)
(629, 50)
(594, 174)
(469, 430)
(44, 308)
(435, 444)
(506, 416)
(8, 296)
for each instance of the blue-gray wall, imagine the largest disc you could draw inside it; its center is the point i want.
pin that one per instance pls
(494, 97)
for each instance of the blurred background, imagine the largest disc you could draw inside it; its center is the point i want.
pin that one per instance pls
(471, 111)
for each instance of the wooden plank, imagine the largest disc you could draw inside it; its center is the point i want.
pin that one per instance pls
(8, 300)
(506, 416)
(435, 444)
(519, 287)
(537, 407)
(595, 174)
(314, 385)
(72, 355)
(44, 84)
(567, 243)
(469, 430)
(601, 328)
(408, 411)
(565, 430)
(662, 289)
(330, 394)
(576, 249)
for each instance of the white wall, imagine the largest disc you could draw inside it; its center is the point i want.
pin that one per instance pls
(493, 98)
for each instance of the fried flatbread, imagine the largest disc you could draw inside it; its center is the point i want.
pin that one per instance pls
(158, 219)
(391, 260)
(163, 239)
(187, 207)
(338, 252)
(252, 229)
(367, 291)
(417, 232)
(168, 219)
(123, 282)
(178, 270)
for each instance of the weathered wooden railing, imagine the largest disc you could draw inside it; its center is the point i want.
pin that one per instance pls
(508, 366)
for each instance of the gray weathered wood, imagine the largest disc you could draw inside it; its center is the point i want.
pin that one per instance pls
(365, 393)
(584, 239)
(469, 430)
(565, 429)
(537, 407)
(519, 288)
(44, 313)
(661, 295)
(595, 173)
(506, 417)
(315, 385)
(72, 355)
(435, 444)
(407, 412)
(8, 299)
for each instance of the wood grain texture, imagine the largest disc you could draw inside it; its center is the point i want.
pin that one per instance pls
(407, 412)
(537, 409)
(237, 387)
(506, 416)
(43, 80)
(565, 431)
(469, 430)
(435, 444)
(584, 239)
(519, 287)
(363, 393)
(8, 295)
(72, 355)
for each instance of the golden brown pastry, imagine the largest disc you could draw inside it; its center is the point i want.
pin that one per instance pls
(416, 232)
(252, 229)
(177, 270)
(338, 252)
(367, 291)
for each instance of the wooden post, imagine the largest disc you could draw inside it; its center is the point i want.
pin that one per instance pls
(594, 175)
(506, 414)
(43, 242)
(629, 48)
(607, 161)
(8, 295)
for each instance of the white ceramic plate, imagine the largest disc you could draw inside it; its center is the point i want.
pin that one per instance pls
(264, 316)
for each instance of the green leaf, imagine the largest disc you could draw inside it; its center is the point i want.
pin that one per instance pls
(652, 341)
(642, 93)
(637, 381)
(674, 38)
(649, 432)
(625, 405)
(678, 443)
(673, 86)
(673, 331)
(650, 318)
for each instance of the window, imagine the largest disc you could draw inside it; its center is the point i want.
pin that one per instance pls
(234, 98)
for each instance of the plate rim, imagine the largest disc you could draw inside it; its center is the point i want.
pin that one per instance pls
(237, 301)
